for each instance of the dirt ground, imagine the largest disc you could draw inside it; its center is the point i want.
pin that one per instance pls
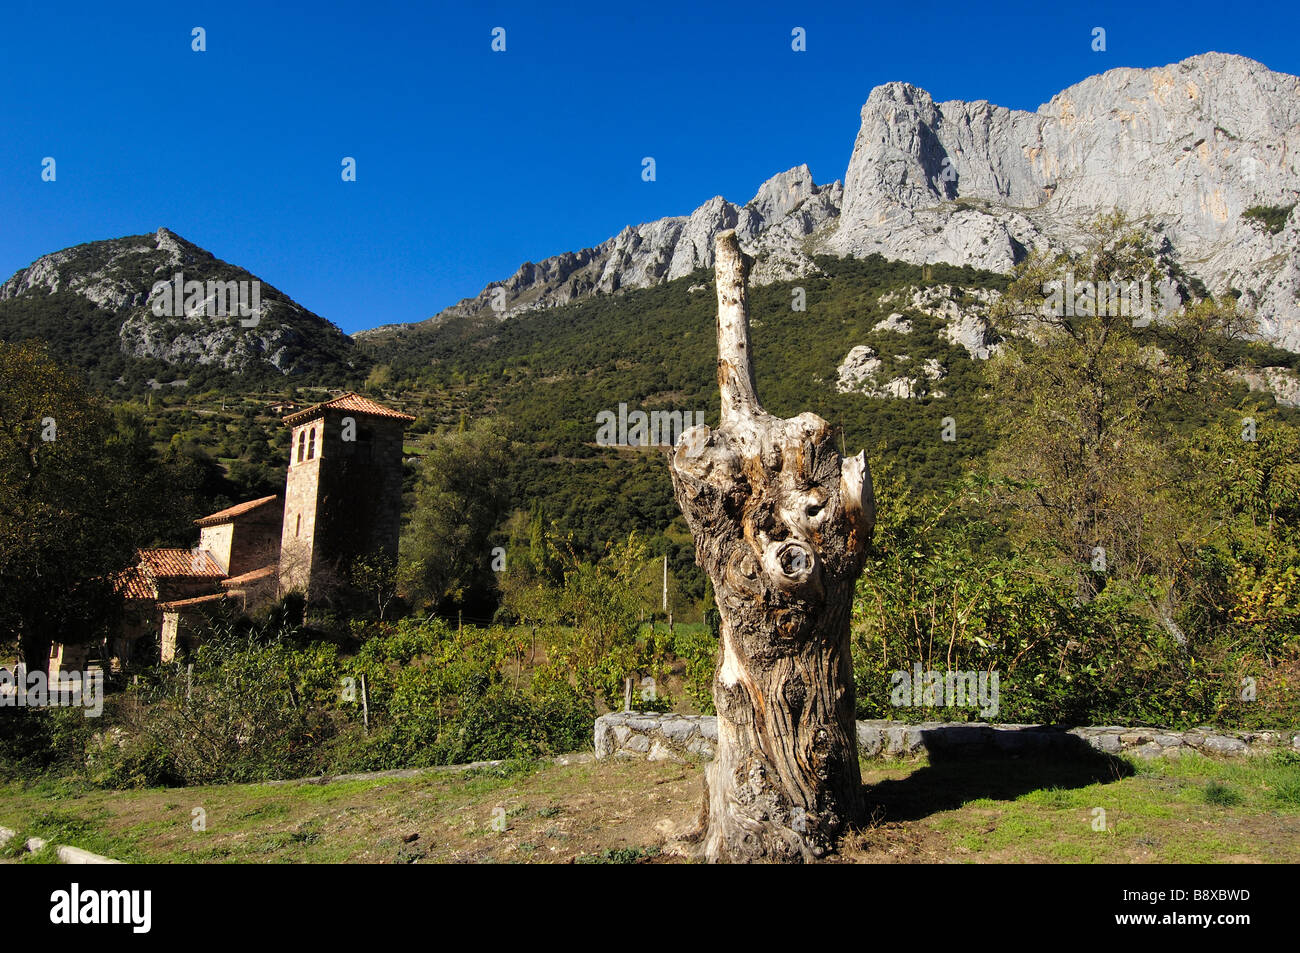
(630, 812)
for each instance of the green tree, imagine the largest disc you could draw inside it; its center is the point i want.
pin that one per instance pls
(375, 576)
(460, 498)
(1085, 396)
(1249, 573)
(594, 636)
(77, 496)
(380, 376)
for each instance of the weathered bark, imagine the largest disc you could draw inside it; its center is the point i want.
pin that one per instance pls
(781, 524)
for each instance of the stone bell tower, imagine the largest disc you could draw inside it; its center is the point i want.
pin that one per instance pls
(343, 496)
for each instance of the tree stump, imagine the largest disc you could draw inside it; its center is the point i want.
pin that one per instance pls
(781, 524)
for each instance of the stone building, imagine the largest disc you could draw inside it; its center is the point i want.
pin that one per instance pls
(136, 638)
(184, 623)
(342, 499)
(343, 496)
(243, 538)
(161, 579)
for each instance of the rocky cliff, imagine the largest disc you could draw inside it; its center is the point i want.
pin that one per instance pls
(775, 225)
(1185, 149)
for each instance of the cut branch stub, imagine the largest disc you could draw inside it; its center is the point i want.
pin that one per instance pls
(781, 524)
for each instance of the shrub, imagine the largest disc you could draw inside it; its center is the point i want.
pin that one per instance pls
(437, 696)
(938, 593)
(1272, 217)
(698, 648)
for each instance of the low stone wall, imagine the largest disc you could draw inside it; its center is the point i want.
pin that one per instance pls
(670, 737)
(655, 737)
(65, 854)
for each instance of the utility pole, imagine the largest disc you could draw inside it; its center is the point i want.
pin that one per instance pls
(665, 583)
(666, 588)
(666, 612)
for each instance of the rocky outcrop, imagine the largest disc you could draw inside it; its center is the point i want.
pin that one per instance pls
(862, 372)
(1282, 382)
(896, 323)
(1185, 148)
(118, 277)
(964, 313)
(775, 225)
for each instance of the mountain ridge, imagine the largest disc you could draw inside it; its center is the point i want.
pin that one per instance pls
(785, 210)
(1185, 149)
(109, 303)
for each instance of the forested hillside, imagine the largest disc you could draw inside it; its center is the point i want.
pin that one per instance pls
(1101, 512)
(540, 380)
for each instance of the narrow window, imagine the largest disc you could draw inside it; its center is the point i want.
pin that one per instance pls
(302, 443)
(297, 530)
(311, 444)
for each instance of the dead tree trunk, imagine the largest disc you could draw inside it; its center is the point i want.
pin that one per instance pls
(781, 524)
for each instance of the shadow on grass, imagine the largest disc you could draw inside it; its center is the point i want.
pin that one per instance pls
(957, 775)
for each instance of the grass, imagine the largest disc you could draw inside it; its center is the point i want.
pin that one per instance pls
(1221, 794)
(1104, 810)
(1080, 810)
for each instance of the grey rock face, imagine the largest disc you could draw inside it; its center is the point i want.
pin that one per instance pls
(1185, 148)
(863, 372)
(1281, 382)
(773, 226)
(965, 317)
(859, 370)
(896, 323)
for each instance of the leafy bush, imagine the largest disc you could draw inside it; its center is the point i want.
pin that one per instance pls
(247, 711)
(438, 696)
(939, 594)
(40, 741)
(256, 707)
(595, 635)
(698, 647)
(1272, 217)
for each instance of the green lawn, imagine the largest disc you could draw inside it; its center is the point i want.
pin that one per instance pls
(1192, 810)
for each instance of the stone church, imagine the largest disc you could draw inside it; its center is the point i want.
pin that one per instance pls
(342, 499)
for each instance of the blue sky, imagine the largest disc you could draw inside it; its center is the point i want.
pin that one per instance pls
(470, 162)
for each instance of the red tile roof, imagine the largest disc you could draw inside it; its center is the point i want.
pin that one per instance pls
(254, 575)
(134, 584)
(176, 563)
(196, 601)
(350, 403)
(239, 509)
